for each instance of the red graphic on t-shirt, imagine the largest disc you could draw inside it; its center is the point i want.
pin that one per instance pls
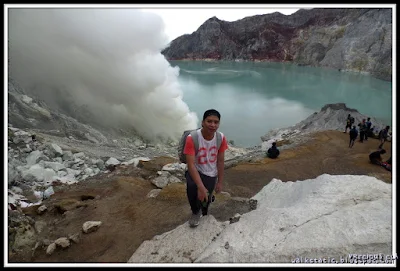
(202, 156)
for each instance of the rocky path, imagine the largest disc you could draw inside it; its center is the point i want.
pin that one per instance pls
(119, 199)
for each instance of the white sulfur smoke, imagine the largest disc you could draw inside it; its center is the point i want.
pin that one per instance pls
(107, 60)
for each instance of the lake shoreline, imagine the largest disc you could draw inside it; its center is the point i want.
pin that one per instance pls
(213, 60)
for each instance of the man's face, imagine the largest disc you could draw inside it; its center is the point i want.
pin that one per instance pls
(211, 124)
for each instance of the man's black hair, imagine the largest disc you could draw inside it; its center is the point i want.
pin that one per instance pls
(211, 112)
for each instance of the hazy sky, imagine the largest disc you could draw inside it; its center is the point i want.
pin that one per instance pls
(186, 21)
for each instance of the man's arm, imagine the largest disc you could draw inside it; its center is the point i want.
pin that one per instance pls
(220, 167)
(221, 164)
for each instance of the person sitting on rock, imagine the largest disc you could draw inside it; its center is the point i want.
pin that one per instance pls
(375, 157)
(372, 133)
(273, 152)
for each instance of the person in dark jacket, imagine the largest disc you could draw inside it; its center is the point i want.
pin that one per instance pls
(383, 136)
(368, 128)
(349, 122)
(273, 152)
(353, 136)
(375, 157)
(363, 130)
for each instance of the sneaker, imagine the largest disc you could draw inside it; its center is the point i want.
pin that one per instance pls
(195, 220)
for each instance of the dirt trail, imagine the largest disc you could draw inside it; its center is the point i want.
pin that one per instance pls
(326, 152)
(118, 199)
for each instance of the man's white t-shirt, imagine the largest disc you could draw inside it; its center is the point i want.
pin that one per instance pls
(206, 158)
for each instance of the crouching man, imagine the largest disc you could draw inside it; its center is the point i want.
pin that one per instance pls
(205, 154)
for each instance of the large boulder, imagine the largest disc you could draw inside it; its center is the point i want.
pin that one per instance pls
(330, 216)
(330, 117)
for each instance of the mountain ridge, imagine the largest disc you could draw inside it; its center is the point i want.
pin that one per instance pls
(354, 40)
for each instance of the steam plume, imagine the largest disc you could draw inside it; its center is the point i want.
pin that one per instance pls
(108, 60)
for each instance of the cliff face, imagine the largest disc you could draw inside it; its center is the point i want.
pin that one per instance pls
(357, 40)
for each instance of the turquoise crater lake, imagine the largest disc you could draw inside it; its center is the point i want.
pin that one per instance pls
(255, 97)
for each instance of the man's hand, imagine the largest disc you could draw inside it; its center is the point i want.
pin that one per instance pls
(218, 187)
(202, 194)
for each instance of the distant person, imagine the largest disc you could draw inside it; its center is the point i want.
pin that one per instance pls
(205, 164)
(353, 136)
(383, 135)
(273, 152)
(372, 132)
(376, 158)
(363, 130)
(349, 122)
(368, 129)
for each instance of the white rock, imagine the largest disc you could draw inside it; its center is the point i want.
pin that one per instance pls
(164, 179)
(34, 157)
(26, 99)
(16, 190)
(61, 173)
(51, 248)
(55, 150)
(48, 192)
(36, 173)
(153, 193)
(54, 165)
(88, 171)
(67, 155)
(69, 179)
(41, 209)
(90, 226)
(58, 160)
(175, 167)
(79, 155)
(112, 161)
(135, 161)
(62, 242)
(138, 143)
(328, 216)
(169, 247)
